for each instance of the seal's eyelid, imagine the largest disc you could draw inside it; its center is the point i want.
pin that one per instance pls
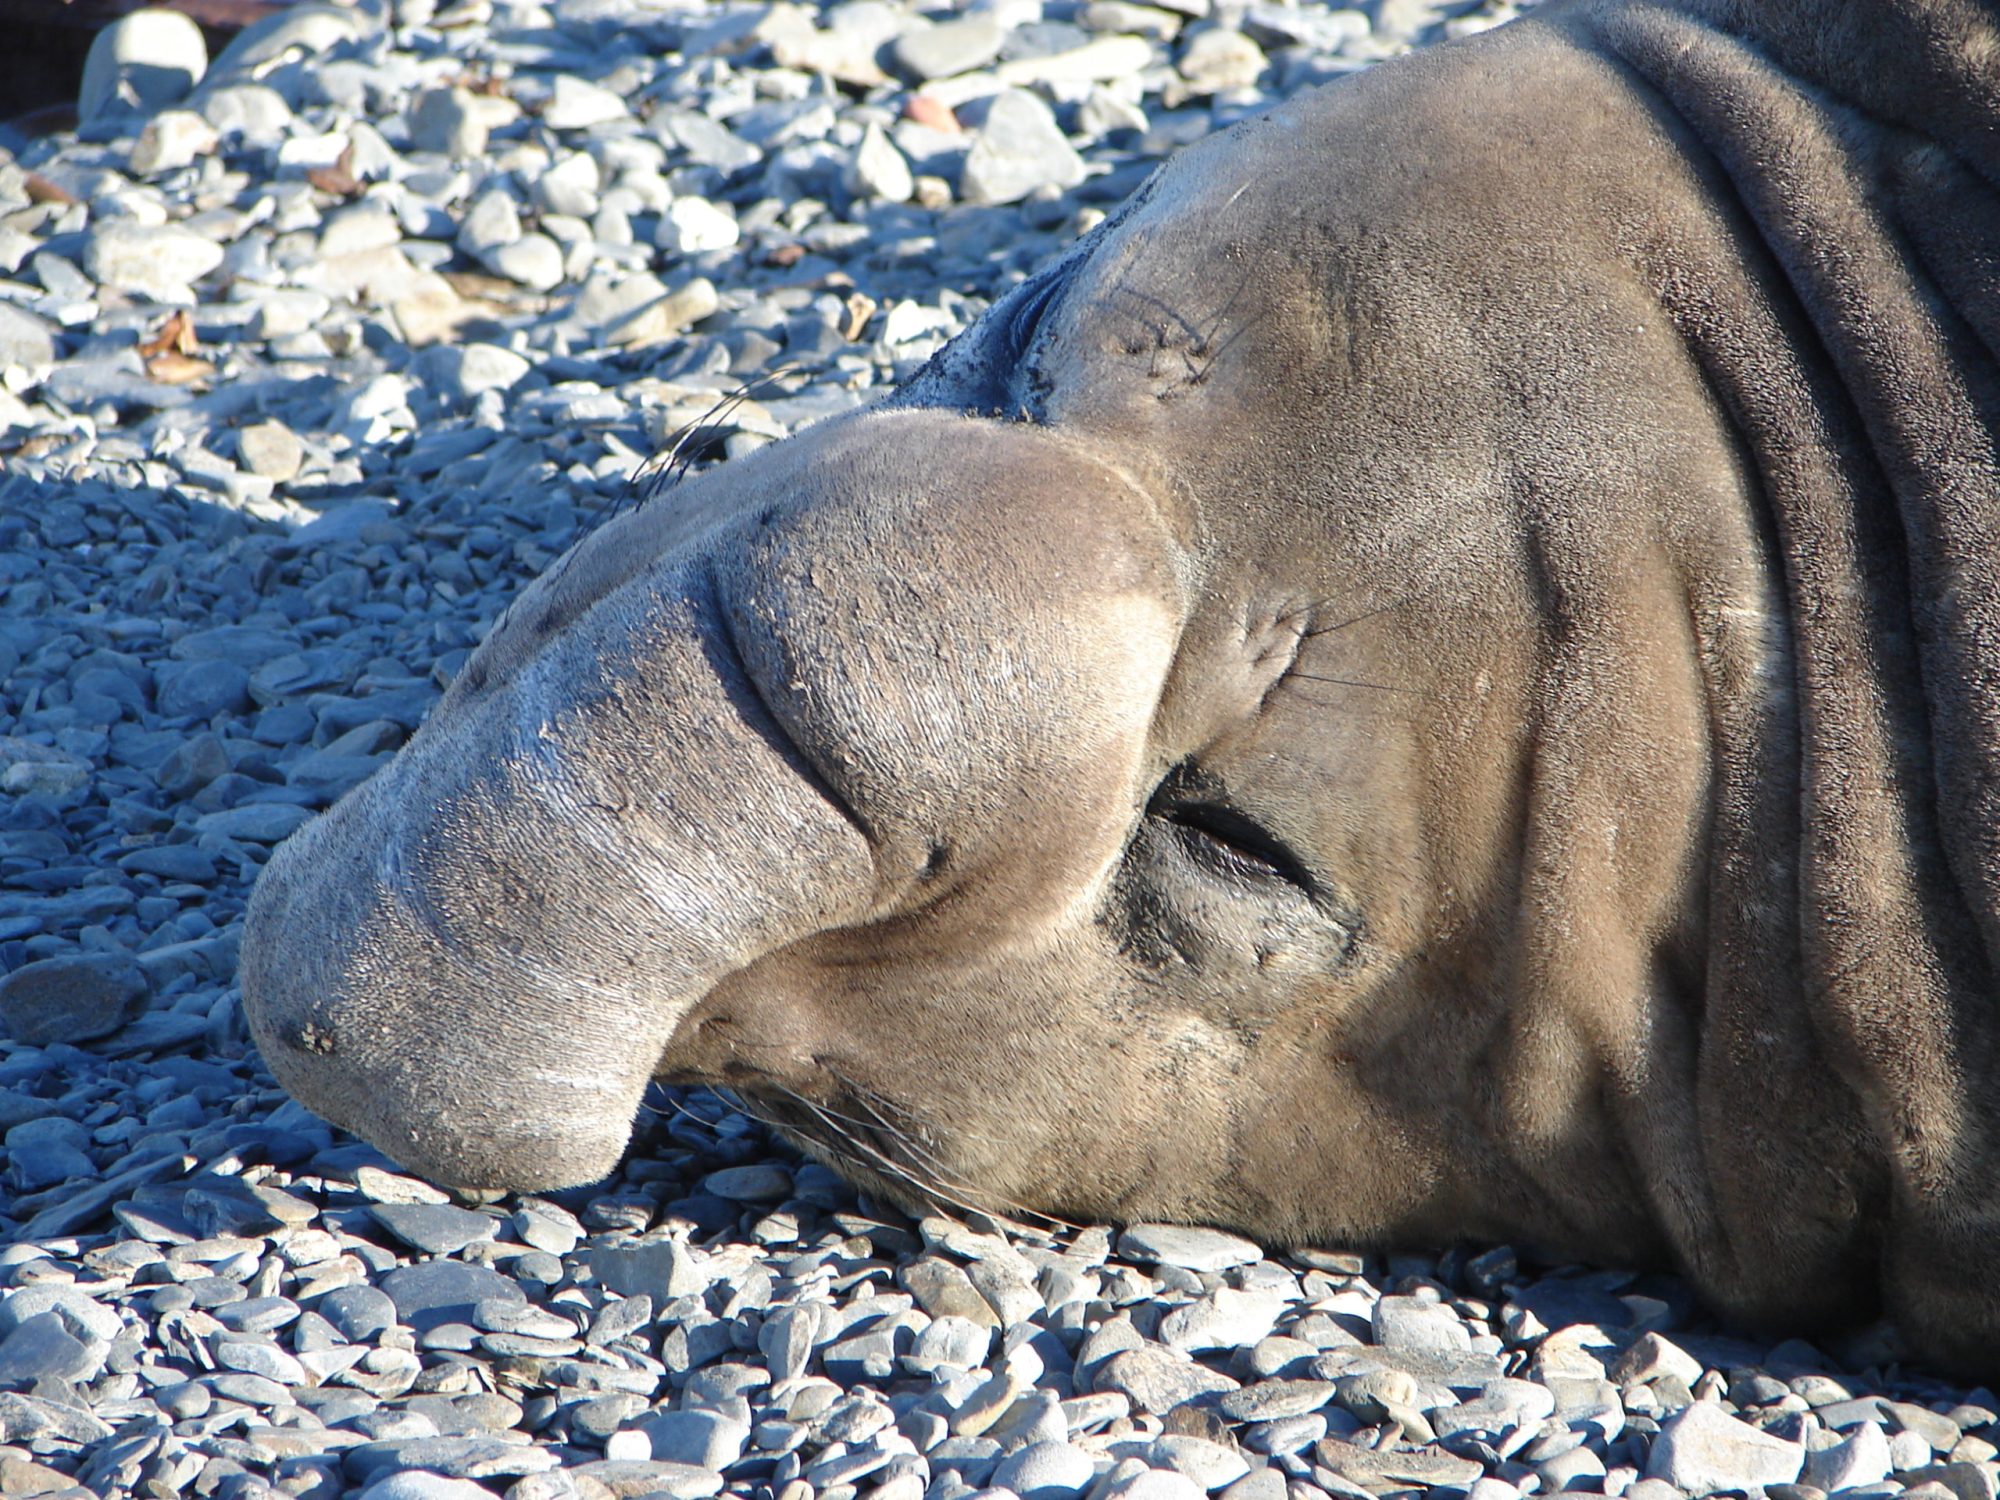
(1231, 841)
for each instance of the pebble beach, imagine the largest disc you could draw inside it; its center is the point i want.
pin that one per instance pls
(312, 352)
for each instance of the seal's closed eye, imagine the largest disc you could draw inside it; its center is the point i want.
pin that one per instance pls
(1222, 838)
(1235, 845)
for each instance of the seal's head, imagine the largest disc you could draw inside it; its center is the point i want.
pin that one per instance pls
(1093, 785)
(1423, 683)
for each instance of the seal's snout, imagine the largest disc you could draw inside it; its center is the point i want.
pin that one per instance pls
(376, 1019)
(683, 753)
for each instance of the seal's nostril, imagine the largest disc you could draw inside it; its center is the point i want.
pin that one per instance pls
(314, 1037)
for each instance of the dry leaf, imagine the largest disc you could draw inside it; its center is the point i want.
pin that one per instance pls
(860, 308)
(927, 109)
(339, 179)
(41, 190)
(176, 336)
(177, 369)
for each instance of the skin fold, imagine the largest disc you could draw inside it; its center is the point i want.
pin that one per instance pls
(1438, 677)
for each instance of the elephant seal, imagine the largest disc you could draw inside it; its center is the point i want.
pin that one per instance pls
(1438, 677)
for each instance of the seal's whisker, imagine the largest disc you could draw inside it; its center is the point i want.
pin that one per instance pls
(873, 1149)
(1353, 682)
(911, 1142)
(1349, 621)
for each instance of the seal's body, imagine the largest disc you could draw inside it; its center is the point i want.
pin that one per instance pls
(1438, 677)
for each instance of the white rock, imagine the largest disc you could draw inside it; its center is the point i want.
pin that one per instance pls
(269, 42)
(419, 1484)
(912, 320)
(569, 187)
(1225, 1319)
(1651, 1356)
(879, 170)
(448, 122)
(1189, 1247)
(1045, 1471)
(141, 63)
(1218, 61)
(172, 140)
(1154, 1484)
(358, 227)
(1406, 1323)
(1210, 1465)
(1862, 1459)
(270, 449)
(249, 110)
(1702, 1449)
(73, 1305)
(706, 1439)
(1020, 148)
(693, 225)
(577, 104)
(534, 260)
(492, 221)
(160, 261)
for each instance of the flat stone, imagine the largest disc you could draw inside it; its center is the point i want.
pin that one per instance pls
(1501, 1408)
(1212, 1465)
(471, 1457)
(1219, 61)
(201, 689)
(534, 260)
(27, 342)
(1407, 1323)
(1046, 1471)
(1191, 1248)
(443, 1291)
(764, 1183)
(951, 47)
(879, 170)
(158, 261)
(358, 1312)
(691, 226)
(1933, 1427)
(71, 999)
(173, 140)
(1380, 1471)
(1275, 1400)
(661, 1269)
(254, 1357)
(417, 1484)
(448, 121)
(270, 449)
(26, 1418)
(1155, 1380)
(635, 1477)
(1225, 1319)
(1701, 1450)
(944, 1291)
(434, 1228)
(170, 862)
(949, 1343)
(578, 104)
(1153, 1484)
(704, 1439)
(665, 317)
(41, 1348)
(257, 822)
